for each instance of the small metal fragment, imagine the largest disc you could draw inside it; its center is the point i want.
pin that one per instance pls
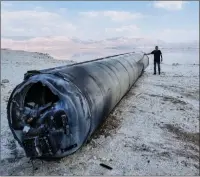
(26, 129)
(30, 120)
(106, 166)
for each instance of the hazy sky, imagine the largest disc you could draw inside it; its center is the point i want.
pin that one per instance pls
(171, 21)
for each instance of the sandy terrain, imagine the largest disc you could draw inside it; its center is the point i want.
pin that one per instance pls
(154, 130)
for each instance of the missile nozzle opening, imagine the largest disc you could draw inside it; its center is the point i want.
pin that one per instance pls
(41, 118)
(39, 95)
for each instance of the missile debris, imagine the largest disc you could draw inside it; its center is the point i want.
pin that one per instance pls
(54, 111)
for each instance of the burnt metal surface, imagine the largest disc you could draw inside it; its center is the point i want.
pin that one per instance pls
(54, 111)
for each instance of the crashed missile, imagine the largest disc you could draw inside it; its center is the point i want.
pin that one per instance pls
(54, 111)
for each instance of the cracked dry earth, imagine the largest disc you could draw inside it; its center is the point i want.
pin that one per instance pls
(154, 130)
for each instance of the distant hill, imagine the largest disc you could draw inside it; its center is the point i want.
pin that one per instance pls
(65, 48)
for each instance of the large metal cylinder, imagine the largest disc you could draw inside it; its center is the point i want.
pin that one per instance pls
(54, 111)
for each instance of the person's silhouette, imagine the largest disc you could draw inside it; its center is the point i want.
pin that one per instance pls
(157, 55)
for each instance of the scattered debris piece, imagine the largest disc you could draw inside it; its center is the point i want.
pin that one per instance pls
(175, 64)
(2, 85)
(5, 81)
(106, 166)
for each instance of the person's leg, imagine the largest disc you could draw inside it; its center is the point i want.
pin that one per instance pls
(154, 67)
(158, 67)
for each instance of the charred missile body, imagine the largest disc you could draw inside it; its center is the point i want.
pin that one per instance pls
(54, 111)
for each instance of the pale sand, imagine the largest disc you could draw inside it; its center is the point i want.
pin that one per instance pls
(152, 131)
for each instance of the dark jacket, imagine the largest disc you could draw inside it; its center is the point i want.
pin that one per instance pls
(157, 54)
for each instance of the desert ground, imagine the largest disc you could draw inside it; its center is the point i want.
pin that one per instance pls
(154, 130)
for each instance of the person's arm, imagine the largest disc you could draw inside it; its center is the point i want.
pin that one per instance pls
(149, 53)
(161, 56)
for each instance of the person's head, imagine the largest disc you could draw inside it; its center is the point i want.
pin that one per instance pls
(156, 47)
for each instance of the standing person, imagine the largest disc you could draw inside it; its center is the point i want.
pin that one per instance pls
(157, 55)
